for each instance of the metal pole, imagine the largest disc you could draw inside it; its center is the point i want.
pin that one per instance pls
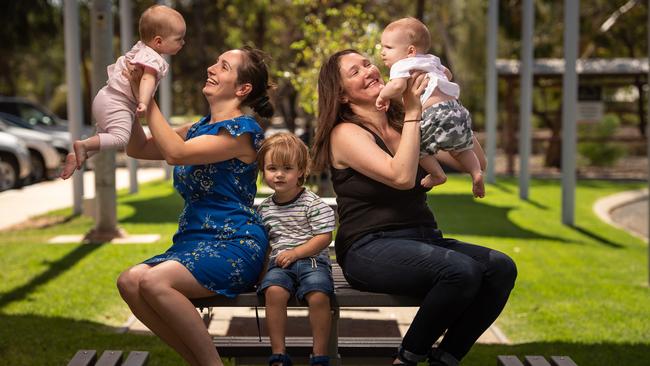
(526, 88)
(75, 110)
(569, 101)
(491, 89)
(126, 42)
(101, 48)
(165, 92)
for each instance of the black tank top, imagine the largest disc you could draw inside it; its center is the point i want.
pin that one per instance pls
(366, 206)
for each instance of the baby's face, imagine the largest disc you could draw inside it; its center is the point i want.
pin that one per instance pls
(394, 46)
(174, 41)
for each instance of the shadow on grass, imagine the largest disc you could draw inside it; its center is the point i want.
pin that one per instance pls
(461, 214)
(597, 238)
(55, 269)
(163, 209)
(44, 341)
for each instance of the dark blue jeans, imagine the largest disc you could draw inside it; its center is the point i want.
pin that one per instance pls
(464, 286)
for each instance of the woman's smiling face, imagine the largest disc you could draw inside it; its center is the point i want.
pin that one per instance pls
(222, 76)
(360, 79)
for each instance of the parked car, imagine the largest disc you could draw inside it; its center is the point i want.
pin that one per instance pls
(14, 162)
(44, 158)
(60, 139)
(37, 115)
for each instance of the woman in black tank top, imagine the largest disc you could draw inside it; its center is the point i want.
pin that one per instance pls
(388, 240)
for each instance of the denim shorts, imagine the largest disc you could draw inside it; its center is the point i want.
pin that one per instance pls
(301, 277)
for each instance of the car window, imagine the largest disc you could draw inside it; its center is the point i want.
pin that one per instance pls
(34, 116)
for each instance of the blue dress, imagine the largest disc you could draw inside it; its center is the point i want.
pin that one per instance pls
(220, 239)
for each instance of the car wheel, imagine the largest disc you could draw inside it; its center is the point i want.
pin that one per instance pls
(38, 167)
(8, 176)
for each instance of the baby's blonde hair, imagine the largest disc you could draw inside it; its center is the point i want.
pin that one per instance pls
(155, 22)
(286, 148)
(418, 33)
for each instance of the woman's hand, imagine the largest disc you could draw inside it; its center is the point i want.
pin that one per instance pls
(415, 86)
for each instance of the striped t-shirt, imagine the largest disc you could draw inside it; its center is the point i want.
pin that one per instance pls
(293, 223)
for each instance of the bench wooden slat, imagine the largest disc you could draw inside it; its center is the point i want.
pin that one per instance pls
(84, 357)
(508, 361)
(344, 296)
(136, 358)
(535, 361)
(562, 361)
(110, 358)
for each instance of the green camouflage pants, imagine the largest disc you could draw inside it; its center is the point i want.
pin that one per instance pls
(445, 126)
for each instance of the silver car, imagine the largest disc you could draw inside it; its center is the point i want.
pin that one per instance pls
(60, 139)
(14, 162)
(44, 158)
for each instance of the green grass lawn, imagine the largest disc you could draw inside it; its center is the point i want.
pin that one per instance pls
(581, 291)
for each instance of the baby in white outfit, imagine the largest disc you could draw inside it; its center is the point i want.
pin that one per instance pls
(162, 32)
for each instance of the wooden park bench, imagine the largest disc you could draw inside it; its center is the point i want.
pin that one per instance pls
(249, 349)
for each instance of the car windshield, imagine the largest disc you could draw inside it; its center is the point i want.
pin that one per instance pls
(31, 114)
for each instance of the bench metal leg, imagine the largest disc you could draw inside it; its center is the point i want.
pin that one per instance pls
(84, 357)
(333, 343)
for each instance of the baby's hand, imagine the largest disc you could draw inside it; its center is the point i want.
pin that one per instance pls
(382, 104)
(141, 111)
(286, 257)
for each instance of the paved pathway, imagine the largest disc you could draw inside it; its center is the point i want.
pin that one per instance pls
(626, 210)
(37, 199)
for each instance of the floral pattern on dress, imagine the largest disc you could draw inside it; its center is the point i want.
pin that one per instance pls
(220, 238)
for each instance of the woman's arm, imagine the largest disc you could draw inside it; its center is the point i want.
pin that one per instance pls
(142, 146)
(354, 147)
(204, 149)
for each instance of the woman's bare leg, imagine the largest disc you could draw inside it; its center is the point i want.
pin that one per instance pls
(167, 288)
(129, 286)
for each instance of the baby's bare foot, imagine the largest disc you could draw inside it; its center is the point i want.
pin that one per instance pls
(478, 188)
(430, 180)
(69, 166)
(80, 153)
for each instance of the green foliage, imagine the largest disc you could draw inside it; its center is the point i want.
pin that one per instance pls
(600, 152)
(327, 29)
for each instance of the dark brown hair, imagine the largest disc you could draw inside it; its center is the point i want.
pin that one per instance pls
(253, 70)
(331, 111)
(286, 148)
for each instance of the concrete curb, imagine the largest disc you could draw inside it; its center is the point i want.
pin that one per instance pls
(604, 206)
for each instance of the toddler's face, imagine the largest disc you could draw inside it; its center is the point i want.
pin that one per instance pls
(281, 177)
(174, 41)
(394, 46)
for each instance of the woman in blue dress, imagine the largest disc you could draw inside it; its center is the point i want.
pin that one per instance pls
(220, 244)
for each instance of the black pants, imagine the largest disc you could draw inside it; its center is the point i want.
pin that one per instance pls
(464, 286)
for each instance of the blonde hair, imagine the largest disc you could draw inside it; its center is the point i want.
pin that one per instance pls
(417, 33)
(155, 22)
(285, 148)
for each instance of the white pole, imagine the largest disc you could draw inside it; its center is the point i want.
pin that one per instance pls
(647, 129)
(491, 89)
(73, 83)
(101, 48)
(569, 101)
(126, 42)
(525, 105)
